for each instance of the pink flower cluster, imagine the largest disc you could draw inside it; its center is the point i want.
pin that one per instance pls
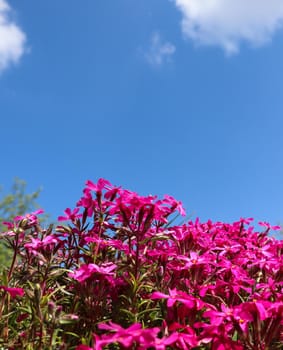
(137, 281)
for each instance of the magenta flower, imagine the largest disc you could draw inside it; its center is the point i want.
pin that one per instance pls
(179, 296)
(31, 217)
(268, 226)
(70, 215)
(37, 243)
(14, 292)
(83, 347)
(175, 205)
(101, 185)
(218, 317)
(8, 224)
(194, 259)
(257, 309)
(180, 340)
(248, 312)
(140, 283)
(87, 270)
(87, 202)
(109, 243)
(127, 337)
(183, 337)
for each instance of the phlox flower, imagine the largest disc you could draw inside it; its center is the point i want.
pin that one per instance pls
(101, 185)
(229, 249)
(115, 243)
(194, 259)
(87, 202)
(184, 337)
(179, 296)
(246, 221)
(70, 215)
(270, 288)
(37, 243)
(83, 347)
(31, 217)
(126, 336)
(218, 336)
(209, 285)
(250, 312)
(218, 317)
(8, 224)
(8, 233)
(181, 340)
(268, 226)
(14, 292)
(175, 205)
(87, 270)
(225, 343)
(228, 269)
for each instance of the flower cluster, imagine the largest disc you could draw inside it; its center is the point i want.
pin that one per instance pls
(120, 275)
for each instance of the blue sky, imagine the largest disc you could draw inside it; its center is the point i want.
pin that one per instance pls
(179, 97)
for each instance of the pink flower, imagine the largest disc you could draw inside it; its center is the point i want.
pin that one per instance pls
(115, 243)
(83, 347)
(175, 205)
(246, 221)
(250, 312)
(87, 270)
(179, 296)
(87, 202)
(218, 317)
(194, 259)
(14, 292)
(31, 217)
(101, 185)
(182, 340)
(268, 226)
(22, 317)
(126, 336)
(9, 225)
(70, 215)
(37, 243)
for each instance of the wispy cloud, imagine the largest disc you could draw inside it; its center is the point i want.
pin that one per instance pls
(159, 51)
(227, 23)
(12, 38)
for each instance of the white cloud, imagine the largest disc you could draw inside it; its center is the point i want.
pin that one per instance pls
(12, 38)
(227, 23)
(159, 51)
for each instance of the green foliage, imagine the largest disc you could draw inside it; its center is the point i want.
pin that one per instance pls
(13, 203)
